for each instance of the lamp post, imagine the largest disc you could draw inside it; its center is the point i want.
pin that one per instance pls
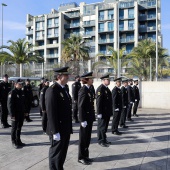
(156, 40)
(2, 37)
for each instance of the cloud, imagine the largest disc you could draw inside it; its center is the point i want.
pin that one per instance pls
(13, 25)
(166, 26)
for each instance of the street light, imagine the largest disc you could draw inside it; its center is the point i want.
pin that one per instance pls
(2, 37)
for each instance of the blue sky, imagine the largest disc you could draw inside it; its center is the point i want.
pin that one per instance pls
(15, 16)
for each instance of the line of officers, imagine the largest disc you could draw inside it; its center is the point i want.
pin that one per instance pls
(59, 110)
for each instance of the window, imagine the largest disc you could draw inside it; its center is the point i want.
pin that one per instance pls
(110, 26)
(101, 27)
(131, 13)
(131, 24)
(56, 20)
(101, 15)
(37, 25)
(121, 25)
(49, 22)
(49, 31)
(110, 14)
(121, 13)
(37, 34)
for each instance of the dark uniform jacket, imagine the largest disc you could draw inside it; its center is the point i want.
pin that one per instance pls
(58, 107)
(42, 98)
(5, 88)
(104, 101)
(75, 89)
(86, 105)
(136, 92)
(28, 97)
(124, 96)
(40, 86)
(92, 91)
(16, 103)
(130, 94)
(117, 98)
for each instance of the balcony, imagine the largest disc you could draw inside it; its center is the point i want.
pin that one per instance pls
(105, 52)
(71, 15)
(39, 47)
(67, 35)
(91, 43)
(39, 28)
(74, 25)
(101, 29)
(101, 18)
(29, 32)
(152, 4)
(126, 5)
(127, 40)
(88, 24)
(121, 28)
(28, 24)
(106, 6)
(87, 13)
(141, 37)
(142, 28)
(39, 38)
(110, 17)
(39, 19)
(153, 28)
(127, 52)
(52, 56)
(52, 15)
(142, 17)
(89, 34)
(110, 29)
(131, 16)
(52, 45)
(52, 25)
(52, 35)
(150, 17)
(103, 41)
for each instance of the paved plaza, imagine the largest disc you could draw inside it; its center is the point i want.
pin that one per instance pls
(145, 145)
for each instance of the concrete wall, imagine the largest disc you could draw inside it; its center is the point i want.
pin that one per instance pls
(155, 95)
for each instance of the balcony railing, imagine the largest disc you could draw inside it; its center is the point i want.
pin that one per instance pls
(39, 19)
(105, 52)
(29, 32)
(127, 52)
(68, 35)
(39, 37)
(101, 18)
(72, 15)
(106, 6)
(39, 28)
(51, 55)
(128, 39)
(110, 29)
(87, 24)
(101, 29)
(153, 28)
(110, 17)
(29, 23)
(106, 40)
(89, 33)
(72, 25)
(52, 35)
(152, 16)
(92, 43)
(52, 15)
(126, 5)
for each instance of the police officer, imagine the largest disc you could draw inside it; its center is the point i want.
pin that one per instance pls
(136, 97)
(40, 86)
(59, 114)
(124, 103)
(16, 109)
(28, 99)
(75, 89)
(104, 110)
(5, 88)
(130, 99)
(117, 106)
(86, 117)
(42, 105)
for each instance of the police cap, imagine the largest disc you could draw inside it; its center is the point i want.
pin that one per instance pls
(19, 81)
(87, 75)
(105, 76)
(62, 70)
(5, 75)
(118, 79)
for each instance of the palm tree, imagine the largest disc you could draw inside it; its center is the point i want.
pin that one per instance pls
(75, 51)
(20, 52)
(111, 59)
(143, 56)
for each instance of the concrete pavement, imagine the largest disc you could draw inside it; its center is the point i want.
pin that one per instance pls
(145, 145)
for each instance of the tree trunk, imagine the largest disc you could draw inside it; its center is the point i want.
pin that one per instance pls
(20, 69)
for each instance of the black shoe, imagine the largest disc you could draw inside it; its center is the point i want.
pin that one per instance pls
(123, 126)
(4, 126)
(107, 142)
(103, 144)
(21, 144)
(135, 115)
(130, 120)
(28, 120)
(16, 146)
(89, 159)
(117, 133)
(84, 162)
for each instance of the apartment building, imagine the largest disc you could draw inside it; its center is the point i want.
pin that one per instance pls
(116, 23)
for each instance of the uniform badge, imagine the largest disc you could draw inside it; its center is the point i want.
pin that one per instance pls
(61, 94)
(89, 94)
(106, 92)
(17, 95)
(98, 93)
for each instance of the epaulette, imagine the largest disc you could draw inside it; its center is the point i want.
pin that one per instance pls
(53, 85)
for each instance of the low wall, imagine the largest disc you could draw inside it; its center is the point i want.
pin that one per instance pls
(154, 95)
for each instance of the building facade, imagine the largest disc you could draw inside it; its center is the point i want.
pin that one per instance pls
(116, 23)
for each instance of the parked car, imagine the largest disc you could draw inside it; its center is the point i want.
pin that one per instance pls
(34, 84)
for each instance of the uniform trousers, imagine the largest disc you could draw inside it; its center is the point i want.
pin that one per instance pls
(16, 129)
(129, 109)
(75, 111)
(123, 116)
(102, 129)
(44, 121)
(135, 107)
(4, 112)
(84, 141)
(58, 152)
(115, 121)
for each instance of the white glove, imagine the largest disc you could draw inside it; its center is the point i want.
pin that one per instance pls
(117, 109)
(99, 116)
(131, 102)
(56, 137)
(84, 124)
(124, 107)
(136, 100)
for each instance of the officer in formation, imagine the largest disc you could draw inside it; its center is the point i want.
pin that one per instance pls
(28, 99)
(5, 88)
(16, 109)
(117, 106)
(124, 103)
(86, 117)
(59, 114)
(104, 110)
(136, 97)
(130, 99)
(42, 105)
(75, 89)
(40, 86)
